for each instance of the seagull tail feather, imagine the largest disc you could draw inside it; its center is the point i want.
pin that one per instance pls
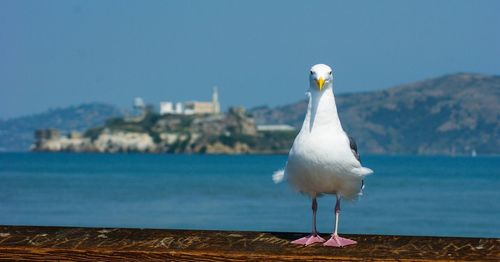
(279, 176)
(362, 171)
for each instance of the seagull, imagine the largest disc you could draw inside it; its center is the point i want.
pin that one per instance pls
(323, 158)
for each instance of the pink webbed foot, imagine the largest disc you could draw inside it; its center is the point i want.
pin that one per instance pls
(309, 240)
(336, 241)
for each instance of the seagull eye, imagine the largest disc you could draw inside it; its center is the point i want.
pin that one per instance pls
(330, 72)
(312, 72)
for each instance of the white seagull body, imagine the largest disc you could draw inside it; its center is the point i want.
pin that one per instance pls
(323, 159)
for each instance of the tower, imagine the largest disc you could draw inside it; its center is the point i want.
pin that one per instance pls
(215, 101)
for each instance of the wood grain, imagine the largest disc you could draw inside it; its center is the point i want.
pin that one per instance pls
(113, 244)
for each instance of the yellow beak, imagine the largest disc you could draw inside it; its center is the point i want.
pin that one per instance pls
(320, 81)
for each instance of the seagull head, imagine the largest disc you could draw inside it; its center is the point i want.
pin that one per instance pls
(321, 77)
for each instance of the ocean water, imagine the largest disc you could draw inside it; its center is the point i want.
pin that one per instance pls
(407, 195)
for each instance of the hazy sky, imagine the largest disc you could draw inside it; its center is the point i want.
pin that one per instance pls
(60, 53)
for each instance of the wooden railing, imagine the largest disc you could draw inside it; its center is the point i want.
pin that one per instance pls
(113, 244)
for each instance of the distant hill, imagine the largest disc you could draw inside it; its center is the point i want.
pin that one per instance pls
(452, 114)
(17, 134)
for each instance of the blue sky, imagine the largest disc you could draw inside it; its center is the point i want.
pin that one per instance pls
(60, 53)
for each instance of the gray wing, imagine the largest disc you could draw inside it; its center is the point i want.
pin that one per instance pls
(354, 148)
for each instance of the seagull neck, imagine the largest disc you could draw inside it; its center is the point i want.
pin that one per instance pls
(322, 111)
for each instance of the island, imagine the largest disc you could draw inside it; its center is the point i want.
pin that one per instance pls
(232, 132)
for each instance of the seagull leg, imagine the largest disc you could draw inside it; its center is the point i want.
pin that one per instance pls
(335, 240)
(313, 237)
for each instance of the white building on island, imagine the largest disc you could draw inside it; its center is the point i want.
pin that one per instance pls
(192, 107)
(275, 128)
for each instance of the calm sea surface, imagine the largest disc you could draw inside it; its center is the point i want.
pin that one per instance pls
(407, 195)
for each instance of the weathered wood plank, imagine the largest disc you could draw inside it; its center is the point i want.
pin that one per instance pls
(98, 244)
